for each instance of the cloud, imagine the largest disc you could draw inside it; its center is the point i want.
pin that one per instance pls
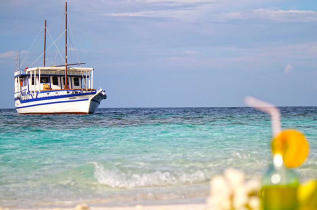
(266, 58)
(181, 1)
(190, 52)
(153, 14)
(176, 9)
(73, 49)
(189, 13)
(207, 11)
(288, 69)
(9, 54)
(284, 16)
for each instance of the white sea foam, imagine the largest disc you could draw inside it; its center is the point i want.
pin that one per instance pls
(118, 179)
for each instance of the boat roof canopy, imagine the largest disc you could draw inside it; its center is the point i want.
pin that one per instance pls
(62, 68)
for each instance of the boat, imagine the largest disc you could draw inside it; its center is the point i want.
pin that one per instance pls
(63, 89)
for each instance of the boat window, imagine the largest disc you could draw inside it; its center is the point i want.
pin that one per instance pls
(32, 80)
(64, 80)
(76, 81)
(44, 79)
(55, 81)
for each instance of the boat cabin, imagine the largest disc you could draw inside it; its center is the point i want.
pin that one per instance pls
(39, 79)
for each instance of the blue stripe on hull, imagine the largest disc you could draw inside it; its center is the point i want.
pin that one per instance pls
(57, 102)
(55, 97)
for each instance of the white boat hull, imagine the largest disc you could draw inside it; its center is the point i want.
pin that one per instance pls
(80, 104)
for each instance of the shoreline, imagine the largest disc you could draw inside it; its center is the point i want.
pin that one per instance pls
(84, 206)
(150, 207)
(136, 207)
(169, 204)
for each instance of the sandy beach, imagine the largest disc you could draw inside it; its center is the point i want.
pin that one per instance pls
(151, 207)
(137, 207)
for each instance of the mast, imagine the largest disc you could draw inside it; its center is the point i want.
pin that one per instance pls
(66, 79)
(44, 43)
(19, 61)
(16, 61)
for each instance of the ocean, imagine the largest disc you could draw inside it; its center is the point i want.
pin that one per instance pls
(133, 156)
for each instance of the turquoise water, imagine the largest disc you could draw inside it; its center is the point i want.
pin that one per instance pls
(127, 156)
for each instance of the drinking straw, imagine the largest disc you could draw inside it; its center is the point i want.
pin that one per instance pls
(269, 109)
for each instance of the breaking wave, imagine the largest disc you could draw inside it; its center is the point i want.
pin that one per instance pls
(119, 179)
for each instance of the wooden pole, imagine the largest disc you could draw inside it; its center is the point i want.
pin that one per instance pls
(44, 43)
(16, 61)
(66, 79)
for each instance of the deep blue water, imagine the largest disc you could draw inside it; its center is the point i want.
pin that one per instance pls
(136, 155)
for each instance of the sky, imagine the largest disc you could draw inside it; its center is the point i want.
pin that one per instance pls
(172, 53)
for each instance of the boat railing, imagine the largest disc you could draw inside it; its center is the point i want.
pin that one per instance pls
(59, 90)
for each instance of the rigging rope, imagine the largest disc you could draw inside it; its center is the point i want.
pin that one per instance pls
(72, 36)
(55, 44)
(29, 51)
(58, 43)
(48, 49)
(71, 39)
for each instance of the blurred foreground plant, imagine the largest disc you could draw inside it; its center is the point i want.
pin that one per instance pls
(232, 191)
